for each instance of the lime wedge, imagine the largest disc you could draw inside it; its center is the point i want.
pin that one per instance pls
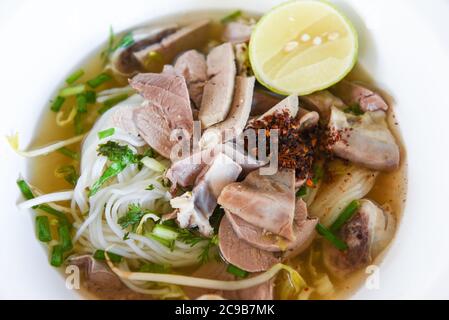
(300, 47)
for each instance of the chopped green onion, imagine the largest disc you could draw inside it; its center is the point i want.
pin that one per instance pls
(165, 242)
(25, 189)
(155, 268)
(65, 238)
(318, 174)
(109, 173)
(81, 103)
(99, 80)
(68, 172)
(301, 192)
(57, 104)
(74, 76)
(100, 255)
(345, 215)
(57, 257)
(354, 109)
(78, 123)
(331, 237)
(165, 232)
(231, 17)
(72, 91)
(43, 228)
(108, 104)
(236, 271)
(69, 153)
(106, 133)
(150, 187)
(91, 97)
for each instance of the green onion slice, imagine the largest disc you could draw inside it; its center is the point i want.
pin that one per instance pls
(345, 215)
(100, 255)
(328, 235)
(74, 76)
(57, 104)
(72, 91)
(43, 229)
(106, 133)
(69, 153)
(57, 256)
(236, 271)
(99, 80)
(231, 17)
(65, 238)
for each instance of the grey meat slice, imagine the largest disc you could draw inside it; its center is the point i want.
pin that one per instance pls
(218, 90)
(167, 109)
(240, 253)
(217, 271)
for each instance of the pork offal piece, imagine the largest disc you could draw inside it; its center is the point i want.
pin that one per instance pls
(267, 202)
(303, 228)
(237, 32)
(367, 233)
(167, 109)
(218, 90)
(192, 65)
(237, 116)
(355, 94)
(365, 140)
(191, 36)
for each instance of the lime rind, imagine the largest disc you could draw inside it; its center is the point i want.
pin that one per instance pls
(321, 86)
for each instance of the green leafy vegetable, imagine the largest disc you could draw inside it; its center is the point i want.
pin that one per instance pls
(69, 153)
(43, 228)
(74, 76)
(100, 255)
(72, 91)
(132, 217)
(120, 156)
(328, 235)
(205, 254)
(68, 172)
(236, 271)
(106, 133)
(99, 80)
(108, 104)
(57, 104)
(57, 256)
(345, 215)
(231, 17)
(65, 238)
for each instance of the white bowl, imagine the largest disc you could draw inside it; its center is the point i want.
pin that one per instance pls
(404, 46)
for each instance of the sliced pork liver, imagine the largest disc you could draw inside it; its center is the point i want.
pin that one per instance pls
(289, 104)
(367, 233)
(366, 140)
(353, 93)
(237, 117)
(192, 65)
(218, 91)
(217, 271)
(303, 228)
(240, 253)
(168, 108)
(267, 202)
(189, 37)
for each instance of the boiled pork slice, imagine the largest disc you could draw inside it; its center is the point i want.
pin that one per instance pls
(167, 109)
(237, 117)
(366, 140)
(322, 102)
(237, 32)
(192, 65)
(267, 202)
(218, 90)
